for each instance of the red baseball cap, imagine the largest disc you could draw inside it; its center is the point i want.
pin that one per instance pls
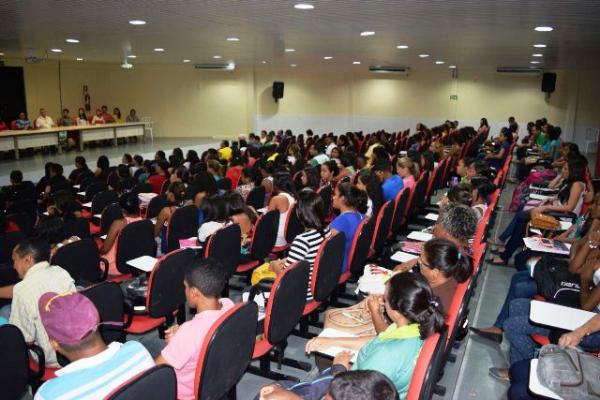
(68, 317)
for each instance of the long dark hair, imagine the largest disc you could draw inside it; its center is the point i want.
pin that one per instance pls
(445, 256)
(577, 168)
(411, 296)
(213, 209)
(178, 189)
(282, 182)
(374, 190)
(312, 178)
(353, 196)
(311, 211)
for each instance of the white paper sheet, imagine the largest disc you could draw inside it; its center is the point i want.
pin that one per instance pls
(420, 236)
(541, 197)
(333, 351)
(87, 205)
(103, 237)
(401, 257)
(432, 217)
(143, 263)
(98, 216)
(81, 193)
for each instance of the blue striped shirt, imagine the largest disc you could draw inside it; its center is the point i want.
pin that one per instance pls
(97, 376)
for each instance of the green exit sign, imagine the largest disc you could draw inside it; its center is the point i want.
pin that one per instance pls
(454, 97)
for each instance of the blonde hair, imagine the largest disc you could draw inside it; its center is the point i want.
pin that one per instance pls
(406, 162)
(215, 166)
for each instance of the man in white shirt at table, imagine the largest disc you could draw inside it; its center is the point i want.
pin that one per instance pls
(44, 121)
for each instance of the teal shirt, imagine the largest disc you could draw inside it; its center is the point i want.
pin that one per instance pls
(395, 358)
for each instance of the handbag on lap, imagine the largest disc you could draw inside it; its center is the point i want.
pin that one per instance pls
(543, 221)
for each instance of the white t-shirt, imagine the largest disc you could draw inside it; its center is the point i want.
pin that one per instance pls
(44, 122)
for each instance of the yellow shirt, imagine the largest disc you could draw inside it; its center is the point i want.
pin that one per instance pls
(225, 153)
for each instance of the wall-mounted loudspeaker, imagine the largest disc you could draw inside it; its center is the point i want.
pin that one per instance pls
(278, 90)
(548, 82)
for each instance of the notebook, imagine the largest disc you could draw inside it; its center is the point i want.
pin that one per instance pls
(143, 263)
(401, 257)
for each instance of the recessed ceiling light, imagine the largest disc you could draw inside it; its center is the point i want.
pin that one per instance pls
(263, 62)
(402, 46)
(356, 62)
(303, 6)
(79, 59)
(159, 49)
(367, 33)
(534, 62)
(72, 40)
(544, 28)
(423, 55)
(289, 50)
(137, 22)
(132, 56)
(233, 39)
(217, 57)
(293, 65)
(56, 50)
(186, 61)
(539, 46)
(1, 54)
(537, 55)
(452, 66)
(440, 62)
(327, 58)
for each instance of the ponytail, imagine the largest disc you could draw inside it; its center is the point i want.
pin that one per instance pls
(431, 320)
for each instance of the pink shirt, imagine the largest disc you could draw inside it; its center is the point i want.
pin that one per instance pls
(409, 182)
(183, 350)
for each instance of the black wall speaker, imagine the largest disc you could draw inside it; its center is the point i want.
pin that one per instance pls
(548, 82)
(278, 90)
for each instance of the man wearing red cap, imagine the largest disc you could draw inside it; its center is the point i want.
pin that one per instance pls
(71, 321)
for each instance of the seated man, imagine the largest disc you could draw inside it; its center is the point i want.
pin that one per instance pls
(204, 282)
(30, 259)
(44, 121)
(22, 122)
(72, 321)
(390, 184)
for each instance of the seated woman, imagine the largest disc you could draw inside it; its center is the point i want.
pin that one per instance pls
(329, 173)
(311, 213)
(215, 168)
(310, 179)
(102, 168)
(282, 201)
(369, 183)
(352, 204)
(214, 217)
(415, 313)
(569, 199)
(407, 170)
(122, 180)
(496, 158)
(241, 214)
(130, 205)
(159, 177)
(443, 266)
(246, 183)
(175, 199)
(482, 189)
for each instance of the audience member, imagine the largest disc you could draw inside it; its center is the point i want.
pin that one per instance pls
(282, 201)
(391, 184)
(351, 202)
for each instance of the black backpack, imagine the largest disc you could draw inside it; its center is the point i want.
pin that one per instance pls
(555, 282)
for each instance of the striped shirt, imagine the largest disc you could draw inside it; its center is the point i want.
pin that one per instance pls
(97, 376)
(305, 247)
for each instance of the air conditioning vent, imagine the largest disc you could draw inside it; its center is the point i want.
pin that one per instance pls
(216, 67)
(380, 69)
(523, 71)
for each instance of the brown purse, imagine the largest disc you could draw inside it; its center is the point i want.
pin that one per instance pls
(543, 221)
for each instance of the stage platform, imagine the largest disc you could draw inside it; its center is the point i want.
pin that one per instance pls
(33, 166)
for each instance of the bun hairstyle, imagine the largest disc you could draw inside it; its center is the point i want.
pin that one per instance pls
(178, 189)
(353, 196)
(411, 296)
(483, 186)
(460, 194)
(443, 255)
(130, 203)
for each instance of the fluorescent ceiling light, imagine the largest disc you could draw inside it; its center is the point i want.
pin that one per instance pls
(534, 62)
(537, 55)
(304, 6)
(56, 50)
(367, 33)
(356, 62)
(263, 62)
(230, 66)
(402, 46)
(290, 50)
(79, 59)
(327, 58)
(126, 65)
(159, 49)
(1, 54)
(186, 60)
(544, 28)
(233, 39)
(137, 22)
(217, 57)
(293, 65)
(539, 46)
(423, 55)
(72, 40)
(452, 66)
(132, 56)
(440, 62)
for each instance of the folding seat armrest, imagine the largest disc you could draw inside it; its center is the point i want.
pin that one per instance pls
(41, 362)
(104, 262)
